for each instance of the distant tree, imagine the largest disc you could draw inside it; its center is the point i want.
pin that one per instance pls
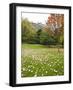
(48, 30)
(56, 21)
(28, 31)
(56, 24)
(46, 39)
(38, 36)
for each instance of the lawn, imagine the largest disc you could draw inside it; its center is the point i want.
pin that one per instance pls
(40, 60)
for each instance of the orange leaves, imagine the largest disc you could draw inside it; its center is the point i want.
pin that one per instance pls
(56, 19)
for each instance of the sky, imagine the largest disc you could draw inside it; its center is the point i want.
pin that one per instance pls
(36, 17)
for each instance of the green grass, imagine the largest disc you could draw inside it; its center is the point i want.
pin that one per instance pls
(33, 46)
(39, 60)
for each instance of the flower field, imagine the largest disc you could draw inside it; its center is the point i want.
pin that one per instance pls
(39, 60)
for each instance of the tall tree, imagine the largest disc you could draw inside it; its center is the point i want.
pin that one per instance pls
(56, 23)
(28, 31)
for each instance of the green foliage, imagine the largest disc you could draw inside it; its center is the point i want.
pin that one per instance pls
(38, 36)
(44, 36)
(46, 39)
(28, 32)
(62, 40)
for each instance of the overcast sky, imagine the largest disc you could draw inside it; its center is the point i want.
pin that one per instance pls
(36, 17)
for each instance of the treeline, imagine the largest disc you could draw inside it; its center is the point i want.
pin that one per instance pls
(51, 34)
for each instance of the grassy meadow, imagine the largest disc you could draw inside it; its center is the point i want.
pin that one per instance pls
(42, 40)
(40, 60)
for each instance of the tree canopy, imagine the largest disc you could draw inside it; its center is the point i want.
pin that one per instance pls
(52, 32)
